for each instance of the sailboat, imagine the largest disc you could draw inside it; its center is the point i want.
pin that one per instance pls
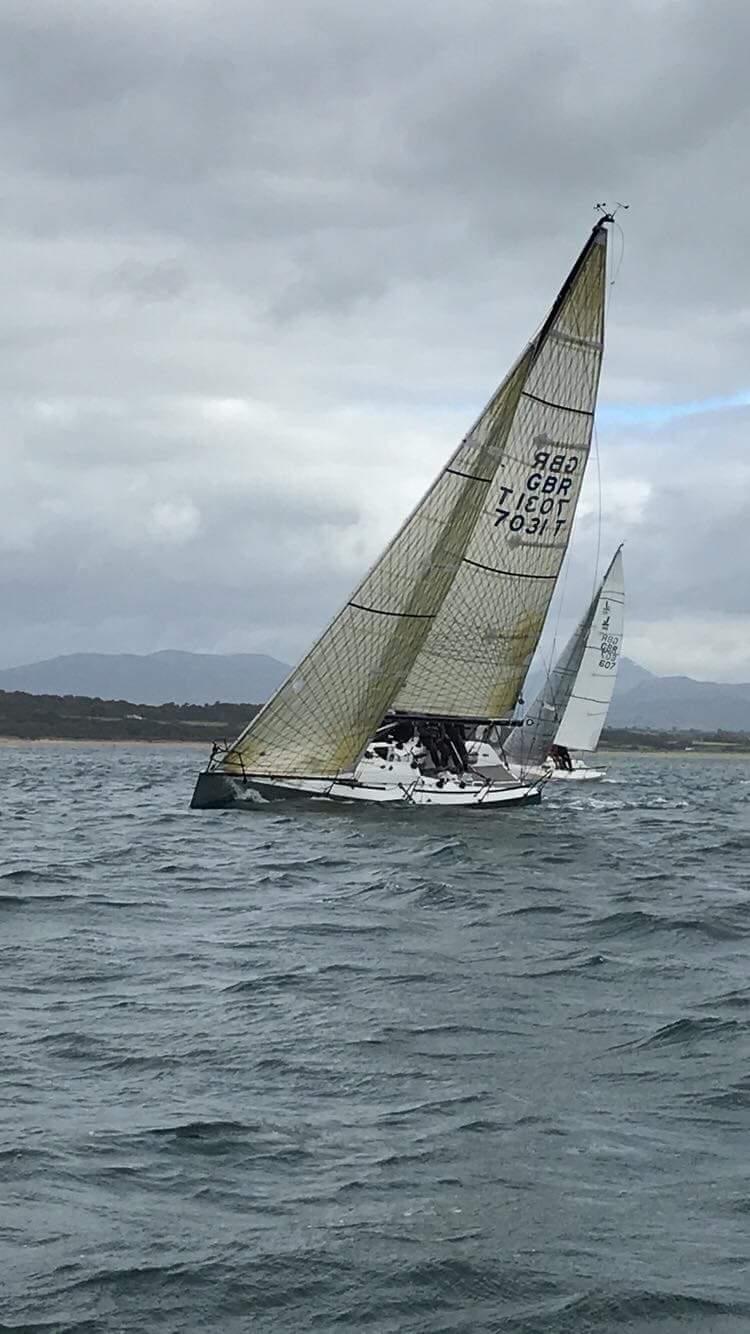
(438, 636)
(571, 709)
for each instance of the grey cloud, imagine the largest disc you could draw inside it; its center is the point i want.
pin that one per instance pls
(163, 280)
(350, 219)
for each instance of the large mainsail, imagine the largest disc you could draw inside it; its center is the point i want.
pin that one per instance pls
(572, 706)
(449, 616)
(477, 653)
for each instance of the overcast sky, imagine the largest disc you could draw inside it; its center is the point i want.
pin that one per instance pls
(264, 263)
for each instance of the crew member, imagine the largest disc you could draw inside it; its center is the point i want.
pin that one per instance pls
(561, 757)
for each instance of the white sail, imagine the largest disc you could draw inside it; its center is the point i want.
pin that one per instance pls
(448, 618)
(571, 707)
(477, 653)
(588, 706)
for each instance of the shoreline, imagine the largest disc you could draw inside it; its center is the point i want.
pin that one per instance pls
(698, 753)
(98, 742)
(605, 754)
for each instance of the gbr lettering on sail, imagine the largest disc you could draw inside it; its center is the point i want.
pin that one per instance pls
(542, 503)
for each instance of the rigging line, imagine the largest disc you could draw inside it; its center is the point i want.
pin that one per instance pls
(548, 661)
(579, 324)
(548, 665)
(597, 459)
(561, 602)
(616, 273)
(594, 447)
(595, 434)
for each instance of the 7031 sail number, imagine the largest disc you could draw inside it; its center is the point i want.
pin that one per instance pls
(544, 497)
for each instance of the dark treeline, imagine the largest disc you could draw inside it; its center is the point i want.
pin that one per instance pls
(78, 718)
(630, 738)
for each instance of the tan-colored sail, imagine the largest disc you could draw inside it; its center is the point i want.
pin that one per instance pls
(323, 715)
(446, 621)
(477, 652)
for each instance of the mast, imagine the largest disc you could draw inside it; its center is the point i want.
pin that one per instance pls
(599, 227)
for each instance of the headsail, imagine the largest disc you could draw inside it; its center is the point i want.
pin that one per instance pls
(320, 719)
(477, 653)
(447, 619)
(571, 708)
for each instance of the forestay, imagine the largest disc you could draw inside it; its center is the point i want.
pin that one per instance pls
(478, 650)
(572, 706)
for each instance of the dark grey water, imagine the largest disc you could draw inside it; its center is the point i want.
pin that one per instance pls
(349, 1070)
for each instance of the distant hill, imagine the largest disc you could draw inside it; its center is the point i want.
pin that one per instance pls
(152, 678)
(630, 675)
(664, 702)
(643, 700)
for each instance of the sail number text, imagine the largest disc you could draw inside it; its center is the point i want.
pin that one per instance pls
(609, 643)
(608, 652)
(544, 498)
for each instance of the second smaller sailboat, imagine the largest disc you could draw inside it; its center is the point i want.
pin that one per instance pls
(571, 709)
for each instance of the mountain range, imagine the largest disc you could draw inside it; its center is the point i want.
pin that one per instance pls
(664, 702)
(641, 698)
(152, 678)
(644, 700)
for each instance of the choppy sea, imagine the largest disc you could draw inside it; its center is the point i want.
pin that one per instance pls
(348, 1070)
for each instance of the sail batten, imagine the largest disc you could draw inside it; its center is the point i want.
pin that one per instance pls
(407, 615)
(547, 403)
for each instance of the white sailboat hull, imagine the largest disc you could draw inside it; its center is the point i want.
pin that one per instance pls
(580, 773)
(485, 755)
(221, 790)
